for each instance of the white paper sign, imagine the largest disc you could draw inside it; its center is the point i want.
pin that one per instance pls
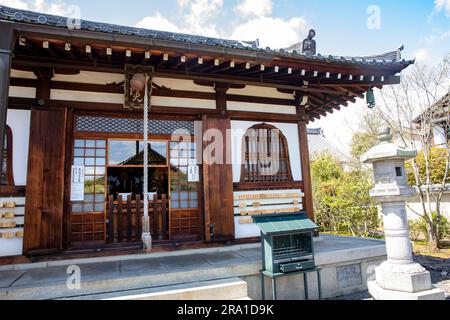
(77, 184)
(193, 174)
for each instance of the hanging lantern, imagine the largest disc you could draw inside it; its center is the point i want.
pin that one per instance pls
(370, 97)
(138, 81)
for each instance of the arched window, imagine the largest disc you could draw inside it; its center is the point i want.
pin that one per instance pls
(7, 169)
(265, 156)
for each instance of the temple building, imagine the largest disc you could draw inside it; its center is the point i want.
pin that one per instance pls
(72, 174)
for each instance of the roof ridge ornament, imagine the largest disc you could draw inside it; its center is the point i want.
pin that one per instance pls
(399, 52)
(309, 44)
(36, 18)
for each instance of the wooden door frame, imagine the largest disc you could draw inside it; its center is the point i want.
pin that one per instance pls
(72, 135)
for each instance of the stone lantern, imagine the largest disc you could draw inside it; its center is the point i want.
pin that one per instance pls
(398, 278)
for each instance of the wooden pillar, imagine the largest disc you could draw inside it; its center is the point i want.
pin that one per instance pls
(218, 177)
(44, 77)
(67, 178)
(308, 206)
(221, 97)
(46, 173)
(6, 46)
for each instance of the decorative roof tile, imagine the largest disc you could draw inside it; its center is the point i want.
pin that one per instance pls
(23, 16)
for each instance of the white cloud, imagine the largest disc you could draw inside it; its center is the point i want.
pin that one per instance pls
(272, 32)
(421, 55)
(198, 16)
(157, 22)
(51, 7)
(442, 5)
(19, 4)
(254, 8)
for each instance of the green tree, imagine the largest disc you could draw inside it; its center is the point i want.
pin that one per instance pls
(436, 166)
(341, 199)
(361, 143)
(367, 135)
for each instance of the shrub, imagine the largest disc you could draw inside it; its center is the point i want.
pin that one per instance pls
(419, 228)
(341, 198)
(415, 229)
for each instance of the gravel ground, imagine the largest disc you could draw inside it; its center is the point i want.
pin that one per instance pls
(440, 276)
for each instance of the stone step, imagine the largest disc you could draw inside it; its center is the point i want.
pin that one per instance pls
(223, 289)
(127, 278)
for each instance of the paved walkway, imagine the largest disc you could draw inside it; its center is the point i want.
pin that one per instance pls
(44, 280)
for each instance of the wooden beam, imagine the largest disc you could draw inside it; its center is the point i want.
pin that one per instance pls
(213, 76)
(245, 72)
(158, 92)
(205, 65)
(237, 67)
(43, 88)
(157, 111)
(244, 81)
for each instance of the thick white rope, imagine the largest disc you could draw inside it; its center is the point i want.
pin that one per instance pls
(146, 200)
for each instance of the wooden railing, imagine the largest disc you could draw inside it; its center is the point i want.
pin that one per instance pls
(125, 219)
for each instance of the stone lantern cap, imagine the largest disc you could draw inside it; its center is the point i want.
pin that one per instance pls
(387, 150)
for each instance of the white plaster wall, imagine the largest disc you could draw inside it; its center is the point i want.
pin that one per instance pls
(90, 77)
(104, 78)
(261, 92)
(22, 92)
(415, 205)
(180, 84)
(19, 122)
(84, 96)
(22, 74)
(289, 130)
(263, 108)
(183, 103)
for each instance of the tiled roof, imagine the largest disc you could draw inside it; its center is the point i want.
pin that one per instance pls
(6, 13)
(439, 110)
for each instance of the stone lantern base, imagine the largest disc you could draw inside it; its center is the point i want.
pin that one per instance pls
(403, 282)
